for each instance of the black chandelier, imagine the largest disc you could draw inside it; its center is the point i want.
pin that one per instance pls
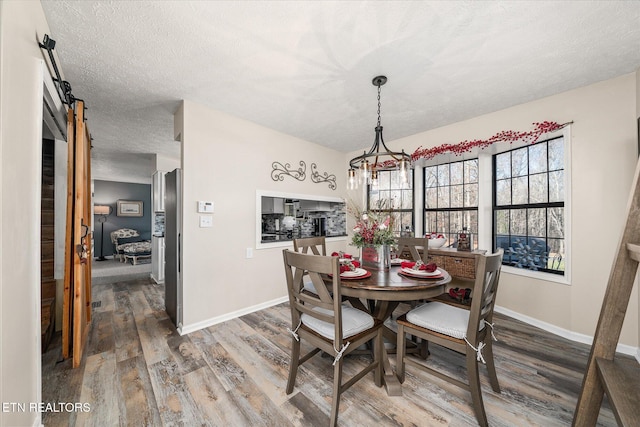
(383, 159)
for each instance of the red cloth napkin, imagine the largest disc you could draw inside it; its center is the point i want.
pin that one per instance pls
(343, 255)
(430, 268)
(344, 268)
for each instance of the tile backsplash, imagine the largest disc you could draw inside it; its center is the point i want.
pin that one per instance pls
(335, 222)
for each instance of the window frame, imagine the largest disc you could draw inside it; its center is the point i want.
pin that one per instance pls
(424, 209)
(549, 276)
(410, 210)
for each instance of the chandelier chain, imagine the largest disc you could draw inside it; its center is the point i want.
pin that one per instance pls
(378, 104)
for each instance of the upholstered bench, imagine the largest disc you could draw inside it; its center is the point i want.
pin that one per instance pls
(135, 250)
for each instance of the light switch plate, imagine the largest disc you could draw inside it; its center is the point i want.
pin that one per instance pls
(206, 221)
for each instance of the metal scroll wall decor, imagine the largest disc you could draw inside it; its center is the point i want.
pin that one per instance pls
(319, 178)
(281, 170)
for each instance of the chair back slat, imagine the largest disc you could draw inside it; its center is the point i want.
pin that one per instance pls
(315, 245)
(304, 308)
(412, 244)
(489, 292)
(299, 264)
(484, 293)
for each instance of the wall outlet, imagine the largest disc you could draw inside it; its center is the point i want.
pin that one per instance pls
(249, 253)
(206, 221)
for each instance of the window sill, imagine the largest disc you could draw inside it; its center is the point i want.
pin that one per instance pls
(289, 242)
(547, 277)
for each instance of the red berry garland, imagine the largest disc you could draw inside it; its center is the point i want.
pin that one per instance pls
(509, 136)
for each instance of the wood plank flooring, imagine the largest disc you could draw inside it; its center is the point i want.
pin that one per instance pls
(138, 371)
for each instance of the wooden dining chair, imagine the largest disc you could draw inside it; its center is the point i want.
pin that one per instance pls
(468, 332)
(412, 244)
(326, 324)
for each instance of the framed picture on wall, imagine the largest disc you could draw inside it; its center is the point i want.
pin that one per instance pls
(129, 208)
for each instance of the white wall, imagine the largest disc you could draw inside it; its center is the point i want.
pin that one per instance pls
(225, 160)
(20, 169)
(604, 155)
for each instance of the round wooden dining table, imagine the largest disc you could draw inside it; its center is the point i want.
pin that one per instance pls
(383, 291)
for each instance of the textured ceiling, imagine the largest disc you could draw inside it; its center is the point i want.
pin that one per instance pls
(305, 68)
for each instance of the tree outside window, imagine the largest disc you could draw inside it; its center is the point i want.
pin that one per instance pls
(528, 206)
(395, 198)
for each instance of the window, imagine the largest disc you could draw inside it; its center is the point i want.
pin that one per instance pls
(451, 199)
(528, 206)
(394, 197)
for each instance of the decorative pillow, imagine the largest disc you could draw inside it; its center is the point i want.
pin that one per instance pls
(123, 232)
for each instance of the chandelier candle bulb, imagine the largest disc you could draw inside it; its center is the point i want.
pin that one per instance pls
(374, 179)
(365, 177)
(353, 180)
(404, 166)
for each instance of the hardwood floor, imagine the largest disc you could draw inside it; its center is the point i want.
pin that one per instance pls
(138, 371)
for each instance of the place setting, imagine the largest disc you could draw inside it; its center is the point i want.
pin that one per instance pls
(350, 268)
(344, 257)
(420, 270)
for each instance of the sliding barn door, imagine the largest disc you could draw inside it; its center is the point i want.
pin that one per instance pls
(76, 305)
(68, 240)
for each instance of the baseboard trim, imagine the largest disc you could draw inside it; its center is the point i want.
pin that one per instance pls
(159, 282)
(187, 329)
(564, 333)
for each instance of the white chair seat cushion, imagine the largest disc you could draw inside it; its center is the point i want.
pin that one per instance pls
(354, 321)
(442, 318)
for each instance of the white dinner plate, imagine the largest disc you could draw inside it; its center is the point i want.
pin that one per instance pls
(420, 272)
(355, 273)
(397, 261)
